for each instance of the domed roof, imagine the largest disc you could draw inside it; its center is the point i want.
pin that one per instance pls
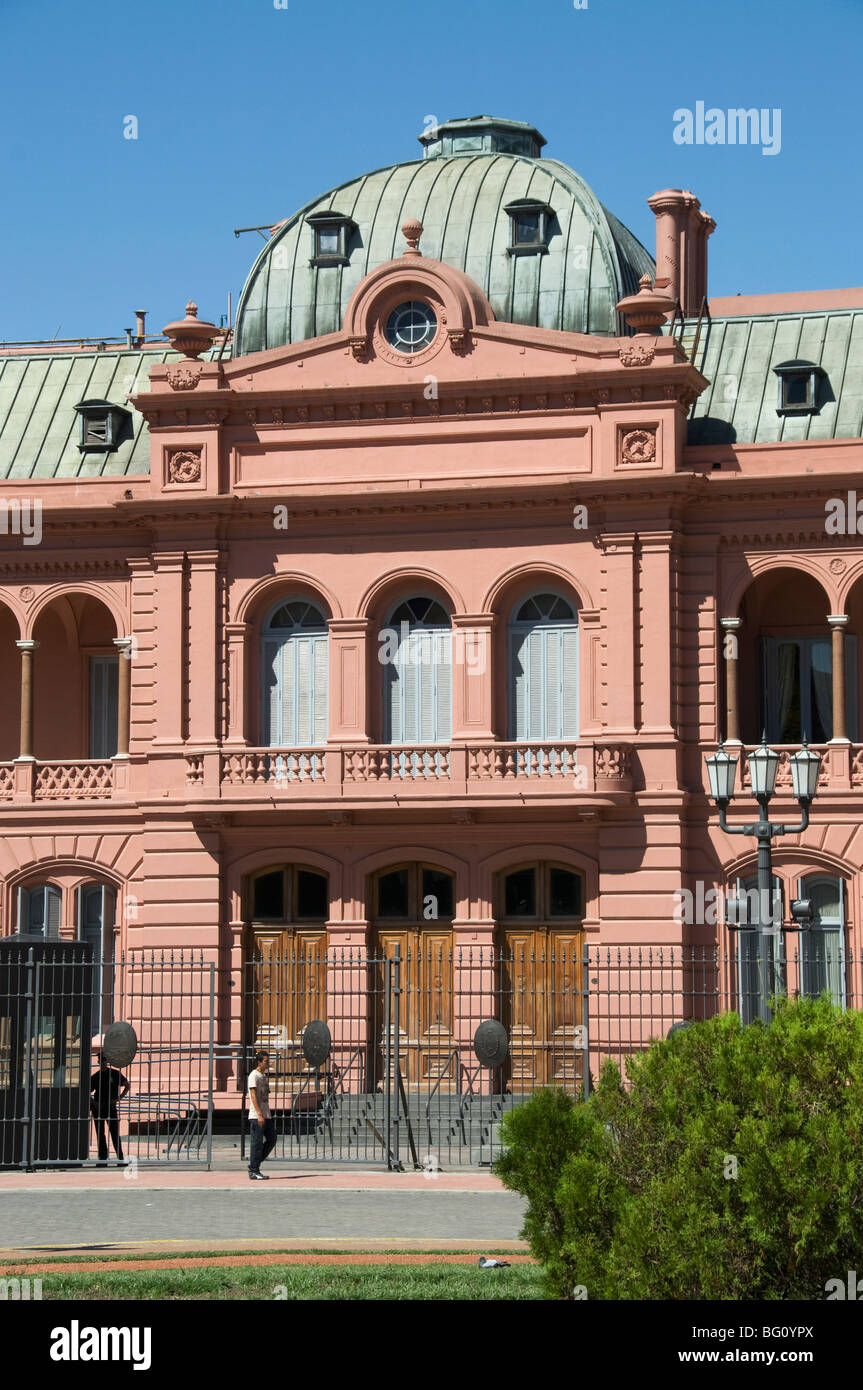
(472, 172)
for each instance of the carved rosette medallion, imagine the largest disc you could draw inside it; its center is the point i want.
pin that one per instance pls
(638, 447)
(184, 466)
(837, 565)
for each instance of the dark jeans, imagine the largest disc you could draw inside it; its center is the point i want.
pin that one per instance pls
(113, 1124)
(263, 1141)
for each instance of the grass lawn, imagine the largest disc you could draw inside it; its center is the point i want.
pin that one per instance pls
(437, 1282)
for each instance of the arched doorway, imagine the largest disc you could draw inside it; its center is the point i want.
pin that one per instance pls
(412, 910)
(540, 912)
(286, 977)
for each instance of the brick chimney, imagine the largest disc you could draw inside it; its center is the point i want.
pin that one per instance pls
(682, 230)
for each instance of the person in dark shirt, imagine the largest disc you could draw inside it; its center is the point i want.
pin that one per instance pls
(107, 1086)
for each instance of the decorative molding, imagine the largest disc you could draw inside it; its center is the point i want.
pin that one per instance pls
(360, 347)
(184, 376)
(637, 354)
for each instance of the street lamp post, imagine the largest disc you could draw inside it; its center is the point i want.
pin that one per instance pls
(763, 765)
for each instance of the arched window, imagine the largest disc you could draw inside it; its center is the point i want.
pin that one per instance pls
(289, 894)
(416, 654)
(96, 907)
(760, 953)
(822, 947)
(414, 893)
(39, 910)
(294, 680)
(543, 667)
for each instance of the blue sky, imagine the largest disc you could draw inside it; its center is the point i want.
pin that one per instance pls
(246, 111)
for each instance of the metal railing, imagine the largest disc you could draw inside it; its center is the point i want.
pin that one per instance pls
(401, 1083)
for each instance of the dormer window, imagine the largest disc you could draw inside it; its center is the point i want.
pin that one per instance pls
(529, 222)
(102, 426)
(799, 387)
(332, 232)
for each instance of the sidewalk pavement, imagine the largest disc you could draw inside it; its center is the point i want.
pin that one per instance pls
(197, 1177)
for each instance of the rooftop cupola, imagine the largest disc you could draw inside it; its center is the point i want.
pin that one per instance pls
(481, 134)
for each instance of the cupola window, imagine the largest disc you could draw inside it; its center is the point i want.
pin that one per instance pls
(332, 232)
(799, 388)
(103, 426)
(411, 326)
(529, 223)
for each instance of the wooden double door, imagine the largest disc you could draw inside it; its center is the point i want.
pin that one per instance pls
(541, 991)
(287, 990)
(426, 1040)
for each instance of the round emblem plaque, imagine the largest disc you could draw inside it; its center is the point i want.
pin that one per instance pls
(119, 1044)
(316, 1042)
(490, 1043)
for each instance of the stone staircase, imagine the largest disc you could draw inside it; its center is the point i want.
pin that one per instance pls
(448, 1129)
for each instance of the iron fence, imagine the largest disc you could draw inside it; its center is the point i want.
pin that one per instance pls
(400, 1083)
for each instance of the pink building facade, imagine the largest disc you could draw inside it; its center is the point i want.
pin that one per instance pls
(408, 616)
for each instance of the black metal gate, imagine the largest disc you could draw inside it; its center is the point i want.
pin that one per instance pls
(164, 1109)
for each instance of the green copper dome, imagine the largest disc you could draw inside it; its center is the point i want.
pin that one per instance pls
(480, 188)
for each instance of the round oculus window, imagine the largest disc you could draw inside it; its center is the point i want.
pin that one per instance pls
(411, 326)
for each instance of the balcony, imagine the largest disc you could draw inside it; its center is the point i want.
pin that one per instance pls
(485, 770)
(89, 779)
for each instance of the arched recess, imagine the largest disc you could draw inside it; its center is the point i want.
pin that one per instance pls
(75, 676)
(537, 675)
(10, 682)
(785, 663)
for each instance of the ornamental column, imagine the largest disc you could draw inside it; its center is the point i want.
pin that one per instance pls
(26, 648)
(838, 622)
(731, 648)
(124, 688)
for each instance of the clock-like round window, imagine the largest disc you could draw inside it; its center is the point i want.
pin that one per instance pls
(411, 326)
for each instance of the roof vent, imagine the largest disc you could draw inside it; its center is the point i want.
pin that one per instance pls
(481, 135)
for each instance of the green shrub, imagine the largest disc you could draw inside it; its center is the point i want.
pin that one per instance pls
(632, 1195)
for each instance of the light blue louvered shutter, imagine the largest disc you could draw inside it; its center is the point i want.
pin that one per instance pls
(528, 648)
(443, 686)
(321, 677)
(301, 733)
(410, 686)
(569, 682)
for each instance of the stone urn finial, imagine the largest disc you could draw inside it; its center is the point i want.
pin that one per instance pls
(190, 336)
(646, 311)
(412, 231)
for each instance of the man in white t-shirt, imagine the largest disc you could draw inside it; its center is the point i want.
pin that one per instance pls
(261, 1122)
